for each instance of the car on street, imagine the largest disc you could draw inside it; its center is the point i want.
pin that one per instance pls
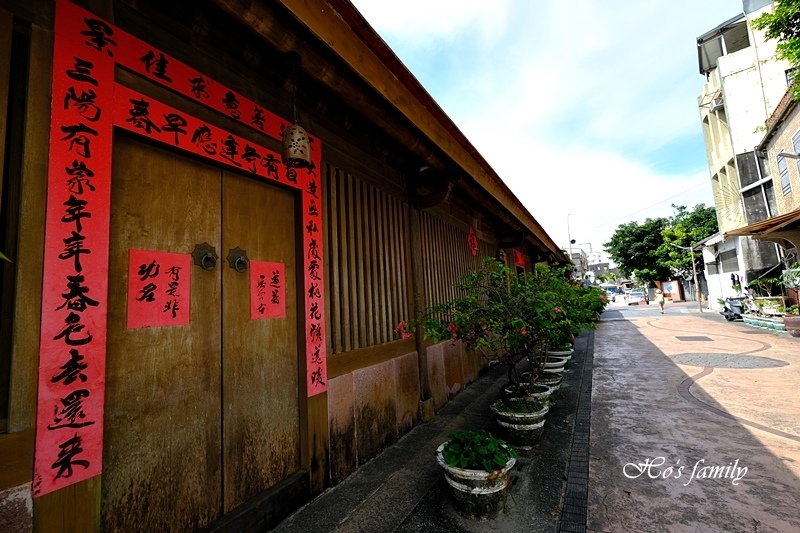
(636, 297)
(611, 296)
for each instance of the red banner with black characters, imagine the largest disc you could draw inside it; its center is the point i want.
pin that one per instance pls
(69, 427)
(161, 68)
(86, 106)
(267, 290)
(317, 374)
(159, 289)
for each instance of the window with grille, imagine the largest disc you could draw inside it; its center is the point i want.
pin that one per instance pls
(368, 254)
(729, 261)
(783, 172)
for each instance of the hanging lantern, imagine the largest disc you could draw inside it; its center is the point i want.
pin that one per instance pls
(296, 152)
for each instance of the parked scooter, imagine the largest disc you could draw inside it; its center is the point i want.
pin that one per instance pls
(733, 309)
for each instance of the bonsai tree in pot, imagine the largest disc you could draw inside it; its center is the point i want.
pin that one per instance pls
(511, 318)
(791, 280)
(495, 316)
(477, 466)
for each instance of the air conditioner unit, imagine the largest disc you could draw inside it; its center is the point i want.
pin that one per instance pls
(716, 104)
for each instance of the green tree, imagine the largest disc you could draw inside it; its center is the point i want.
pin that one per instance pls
(634, 248)
(784, 25)
(611, 277)
(644, 250)
(686, 228)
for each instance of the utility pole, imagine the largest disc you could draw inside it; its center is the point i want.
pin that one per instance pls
(694, 274)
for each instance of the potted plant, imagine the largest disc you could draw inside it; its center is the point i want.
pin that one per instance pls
(791, 280)
(512, 319)
(477, 466)
(521, 418)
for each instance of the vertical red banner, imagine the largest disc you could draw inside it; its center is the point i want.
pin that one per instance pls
(71, 383)
(159, 289)
(316, 352)
(267, 290)
(472, 241)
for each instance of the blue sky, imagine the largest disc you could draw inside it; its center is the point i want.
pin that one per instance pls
(586, 107)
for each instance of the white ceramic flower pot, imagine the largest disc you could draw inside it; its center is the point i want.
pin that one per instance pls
(479, 495)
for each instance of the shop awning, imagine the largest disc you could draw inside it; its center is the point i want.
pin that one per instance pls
(788, 221)
(713, 239)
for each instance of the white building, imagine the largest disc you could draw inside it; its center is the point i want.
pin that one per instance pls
(744, 84)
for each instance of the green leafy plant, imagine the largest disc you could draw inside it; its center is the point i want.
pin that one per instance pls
(791, 277)
(509, 317)
(782, 24)
(477, 450)
(520, 405)
(764, 286)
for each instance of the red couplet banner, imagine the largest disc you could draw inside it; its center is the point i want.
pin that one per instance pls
(72, 350)
(316, 363)
(159, 289)
(267, 290)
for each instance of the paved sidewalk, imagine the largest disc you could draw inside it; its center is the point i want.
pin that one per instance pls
(403, 489)
(676, 394)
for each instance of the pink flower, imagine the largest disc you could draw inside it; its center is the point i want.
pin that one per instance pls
(523, 331)
(407, 335)
(557, 310)
(452, 328)
(400, 326)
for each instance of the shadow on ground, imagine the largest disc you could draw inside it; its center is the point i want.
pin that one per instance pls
(646, 408)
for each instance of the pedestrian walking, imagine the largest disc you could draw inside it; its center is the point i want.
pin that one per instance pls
(660, 300)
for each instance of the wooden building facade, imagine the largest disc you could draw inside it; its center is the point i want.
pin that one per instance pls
(196, 336)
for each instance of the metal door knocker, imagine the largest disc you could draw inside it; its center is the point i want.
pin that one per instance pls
(205, 256)
(237, 259)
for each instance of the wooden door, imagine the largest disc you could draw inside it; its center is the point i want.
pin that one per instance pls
(198, 418)
(261, 438)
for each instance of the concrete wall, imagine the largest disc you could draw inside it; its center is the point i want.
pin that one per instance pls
(371, 408)
(752, 82)
(719, 150)
(782, 140)
(16, 509)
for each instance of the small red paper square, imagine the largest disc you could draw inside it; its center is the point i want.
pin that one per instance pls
(159, 289)
(267, 290)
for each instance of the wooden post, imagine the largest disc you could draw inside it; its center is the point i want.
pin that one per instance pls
(426, 411)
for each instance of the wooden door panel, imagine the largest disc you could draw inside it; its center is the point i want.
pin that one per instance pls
(261, 438)
(162, 442)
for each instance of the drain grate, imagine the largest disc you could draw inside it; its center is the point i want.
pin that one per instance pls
(696, 338)
(727, 360)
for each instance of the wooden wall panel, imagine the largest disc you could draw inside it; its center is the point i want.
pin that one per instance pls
(368, 284)
(27, 305)
(446, 256)
(6, 26)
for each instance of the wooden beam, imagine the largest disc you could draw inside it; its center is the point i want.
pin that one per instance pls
(16, 465)
(345, 363)
(73, 509)
(328, 22)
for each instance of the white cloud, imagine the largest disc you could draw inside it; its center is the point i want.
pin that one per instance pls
(421, 23)
(584, 108)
